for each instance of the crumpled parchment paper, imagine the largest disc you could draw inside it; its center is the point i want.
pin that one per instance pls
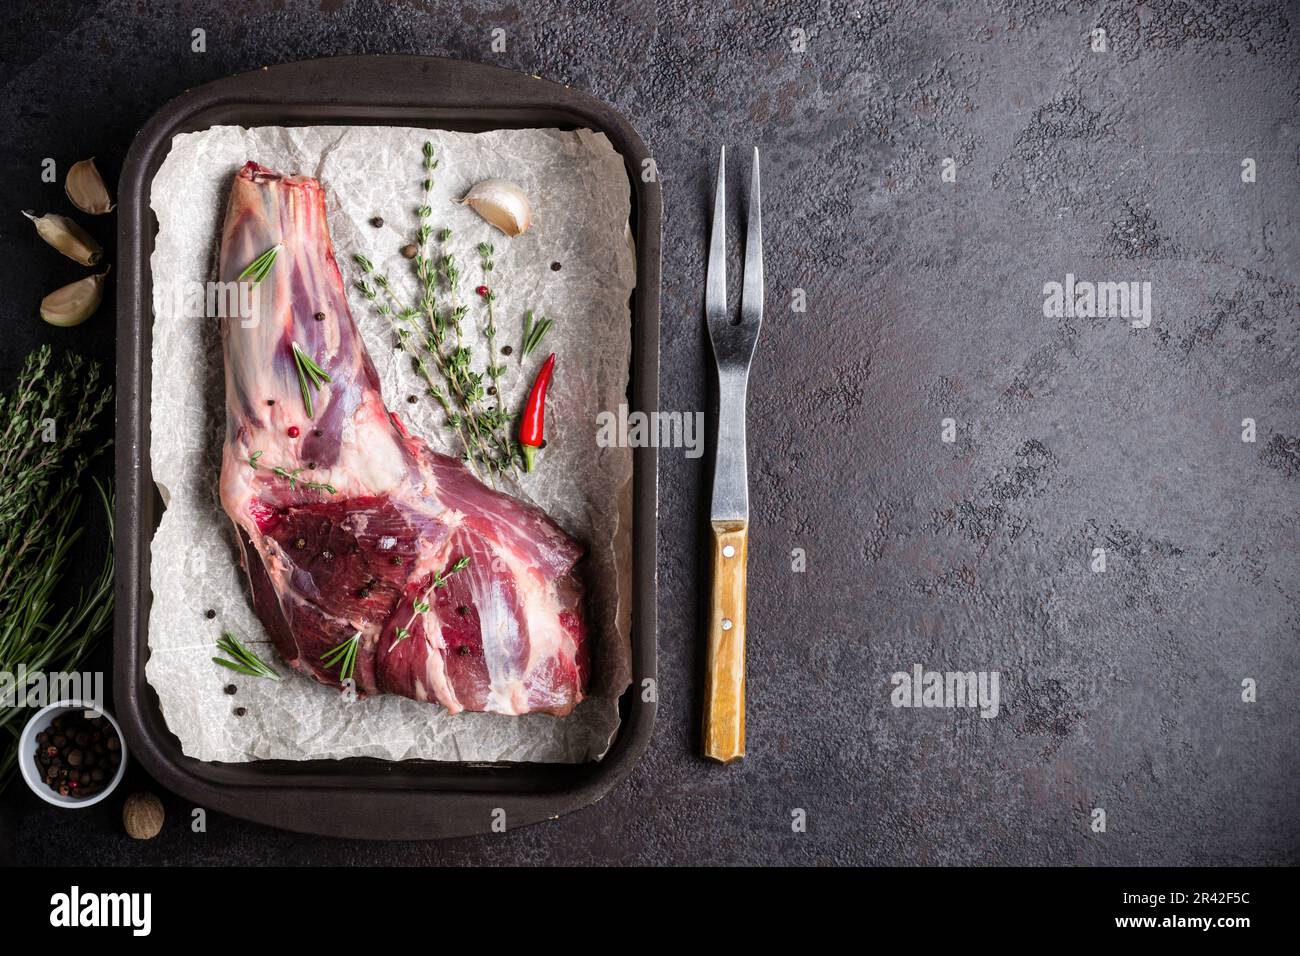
(581, 200)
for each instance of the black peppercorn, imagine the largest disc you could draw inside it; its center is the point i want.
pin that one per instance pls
(555, 267)
(240, 711)
(209, 614)
(506, 350)
(319, 316)
(412, 399)
(231, 688)
(377, 222)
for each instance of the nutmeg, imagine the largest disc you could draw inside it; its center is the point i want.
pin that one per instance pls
(142, 815)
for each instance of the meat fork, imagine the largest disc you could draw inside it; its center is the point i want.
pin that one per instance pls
(733, 348)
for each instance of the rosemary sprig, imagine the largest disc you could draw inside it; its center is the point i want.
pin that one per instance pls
(295, 481)
(252, 460)
(310, 376)
(534, 332)
(260, 267)
(343, 656)
(422, 606)
(242, 659)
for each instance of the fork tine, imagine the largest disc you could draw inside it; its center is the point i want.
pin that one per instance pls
(715, 289)
(751, 296)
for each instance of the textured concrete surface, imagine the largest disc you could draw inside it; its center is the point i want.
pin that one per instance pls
(1120, 690)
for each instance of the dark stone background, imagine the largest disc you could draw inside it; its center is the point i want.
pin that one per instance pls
(1120, 690)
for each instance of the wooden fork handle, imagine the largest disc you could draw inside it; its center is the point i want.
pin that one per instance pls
(724, 679)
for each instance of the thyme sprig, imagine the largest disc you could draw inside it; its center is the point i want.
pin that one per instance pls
(46, 426)
(310, 376)
(422, 606)
(467, 383)
(486, 253)
(295, 481)
(343, 656)
(241, 659)
(260, 267)
(440, 352)
(254, 460)
(489, 426)
(425, 350)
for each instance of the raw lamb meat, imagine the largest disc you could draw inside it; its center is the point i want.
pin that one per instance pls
(345, 519)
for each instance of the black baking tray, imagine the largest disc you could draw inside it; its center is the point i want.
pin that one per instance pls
(363, 797)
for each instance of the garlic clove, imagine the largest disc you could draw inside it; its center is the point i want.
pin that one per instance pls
(501, 203)
(66, 236)
(85, 187)
(75, 302)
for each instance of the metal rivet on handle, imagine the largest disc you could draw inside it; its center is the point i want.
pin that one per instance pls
(729, 551)
(726, 623)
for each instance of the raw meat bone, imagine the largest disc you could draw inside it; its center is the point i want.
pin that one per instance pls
(345, 518)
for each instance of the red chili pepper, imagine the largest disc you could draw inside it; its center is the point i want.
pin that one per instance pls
(531, 425)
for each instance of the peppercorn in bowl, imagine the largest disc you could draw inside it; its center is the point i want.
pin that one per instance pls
(72, 754)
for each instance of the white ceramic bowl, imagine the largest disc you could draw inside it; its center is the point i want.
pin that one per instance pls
(27, 756)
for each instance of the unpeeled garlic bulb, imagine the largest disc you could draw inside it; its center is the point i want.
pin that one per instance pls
(85, 187)
(66, 236)
(75, 302)
(501, 203)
